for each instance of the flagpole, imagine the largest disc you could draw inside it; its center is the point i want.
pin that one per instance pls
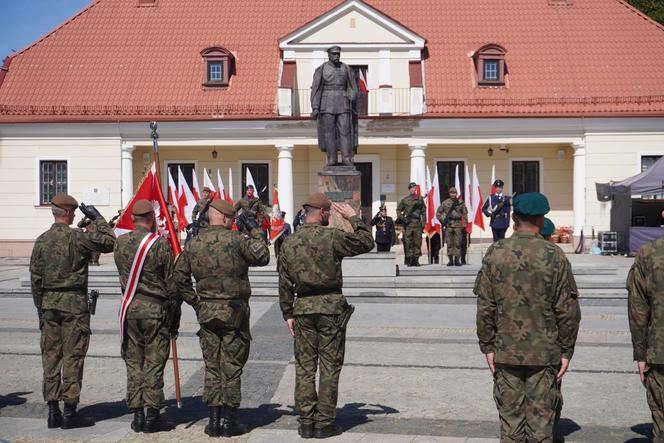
(174, 347)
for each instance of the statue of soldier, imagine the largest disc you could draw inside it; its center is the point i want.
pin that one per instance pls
(219, 260)
(145, 345)
(528, 318)
(411, 213)
(59, 278)
(315, 309)
(453, 217)
(333, 94)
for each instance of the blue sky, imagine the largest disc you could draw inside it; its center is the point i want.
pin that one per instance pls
(24, 22)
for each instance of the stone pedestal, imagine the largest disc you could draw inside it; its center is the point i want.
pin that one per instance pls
(341, 184)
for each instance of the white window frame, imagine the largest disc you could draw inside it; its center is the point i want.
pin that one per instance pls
(269, 178)
(528, 159)
(54, 158)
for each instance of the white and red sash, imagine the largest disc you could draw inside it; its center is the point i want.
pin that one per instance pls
(134, 276)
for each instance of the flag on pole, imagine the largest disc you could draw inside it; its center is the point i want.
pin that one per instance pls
(277, 224)
(467, 199)
(230, 186)
(362, 83)
(250, 181)
(477, 216)
(150, 189)
(433, 202)
(493, 179)
(197, 190)
(186, 201)
(221, 194)
(457, 182)
(207, 182)
(173, 199)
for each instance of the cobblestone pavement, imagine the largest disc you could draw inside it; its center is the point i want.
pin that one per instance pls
(413, 373)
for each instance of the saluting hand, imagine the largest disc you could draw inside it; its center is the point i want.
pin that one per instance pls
(344, 210)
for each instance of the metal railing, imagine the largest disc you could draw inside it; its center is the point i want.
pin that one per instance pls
(394, 101)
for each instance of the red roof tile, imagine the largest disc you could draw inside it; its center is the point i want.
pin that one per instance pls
(116, 61)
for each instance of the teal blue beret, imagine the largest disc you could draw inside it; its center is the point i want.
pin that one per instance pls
(548, 228)
(531, 203)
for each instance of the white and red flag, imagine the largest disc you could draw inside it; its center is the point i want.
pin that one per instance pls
(186, 200)
(207, 182)
(467, 199)
(493, 179)
(433, 202)
(477, 217)
(173, 199)
(277, 223)
(363, 84)
(249, 180)
(230, 186)
(196, 190)
(150, 189)
(221, 193)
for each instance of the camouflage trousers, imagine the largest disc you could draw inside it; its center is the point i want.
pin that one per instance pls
(146, 351)
(528, 399)
(225, 351)
(412, 240)
(65, 338)
(655, 395)
(319, 344)
(454, 240)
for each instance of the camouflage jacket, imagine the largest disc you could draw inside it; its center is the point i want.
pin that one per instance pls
(199, 208)
(458, 218)
(645, 284)
(251, 207)
(156, 281)
(411, 210)
(59, 265)
(527, 307)
(219, 259)
(310, 267)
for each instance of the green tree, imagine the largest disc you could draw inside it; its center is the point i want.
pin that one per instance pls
(653, 8)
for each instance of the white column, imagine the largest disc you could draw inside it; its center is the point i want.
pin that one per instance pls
(285, 180)
(579, 201)
(418, 164)
(127, 167)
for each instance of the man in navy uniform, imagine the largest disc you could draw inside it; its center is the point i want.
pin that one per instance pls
(497, 207)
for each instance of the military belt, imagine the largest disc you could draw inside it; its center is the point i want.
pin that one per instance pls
(319, 292)
(217, 300)
(150, 298)
(80, 290)
(335, 87)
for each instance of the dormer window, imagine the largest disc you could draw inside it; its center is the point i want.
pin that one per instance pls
(219, 66)
(490, 65)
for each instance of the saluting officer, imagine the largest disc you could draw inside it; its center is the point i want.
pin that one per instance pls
(316, 312)
(59, 278)
(219, 259)
(527, 322)
(497, 207)
(411, 213)
(385, 233)
(145, 345)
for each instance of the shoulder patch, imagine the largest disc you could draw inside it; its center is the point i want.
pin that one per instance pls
(255, 247)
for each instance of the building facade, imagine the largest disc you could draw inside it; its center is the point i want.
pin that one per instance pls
(525, 87)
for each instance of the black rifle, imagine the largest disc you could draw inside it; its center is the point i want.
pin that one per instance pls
(92, 301)
(193, 228)
(500, 206)
(446, 220)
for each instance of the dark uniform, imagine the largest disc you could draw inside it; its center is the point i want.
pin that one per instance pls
(498, 207)
(59, 279)
(453, 217)
(645, 284)
(411, 213)
(528, 316)
(145, 346)
(310, 290)
(219, 260)
(385, 232)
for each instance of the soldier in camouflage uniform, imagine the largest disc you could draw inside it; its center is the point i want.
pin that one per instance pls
(219, 259)
(453, 217)
(59, 278)
(86, 225)
(315, 310)
(645, 284)
(250, 210)
(527, 321)
(201, 209)
(411, 213)
(145, 346)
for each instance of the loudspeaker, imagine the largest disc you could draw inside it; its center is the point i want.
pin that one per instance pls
(604, 192)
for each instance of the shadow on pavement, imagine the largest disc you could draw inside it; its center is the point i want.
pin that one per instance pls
(105, 410)
(644, 429)
(355, 414)
(567, 427)
(13, 399)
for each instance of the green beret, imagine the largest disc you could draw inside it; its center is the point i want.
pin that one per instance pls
(548, 228)
(224, 207)
(531, 203)
(64, 201)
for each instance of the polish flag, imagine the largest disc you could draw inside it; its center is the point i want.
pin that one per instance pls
(362, 83)
(477, 216)
(493, 180)
(197, 190)
(467, 199)
(277, 224)
(221, 195)
(229, 197)
(207, 181)
(433, 202)
(250, 181)
(173, 199)
(457, 182)
(186, 201)
(150, 189)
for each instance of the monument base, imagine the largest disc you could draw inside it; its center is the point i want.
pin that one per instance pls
(341, 184)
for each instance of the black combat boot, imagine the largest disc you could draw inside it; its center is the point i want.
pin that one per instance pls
(213, 428)
(138, 424)
(306, 430)
(71, 419)
(231, 427)
(406, 261)
(416, 261)
(327, 431)
(54, 414)
(463, 259)
(152, 421)
(457, 261)
(451, 262)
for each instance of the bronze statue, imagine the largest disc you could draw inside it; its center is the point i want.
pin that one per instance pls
(333, 94)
